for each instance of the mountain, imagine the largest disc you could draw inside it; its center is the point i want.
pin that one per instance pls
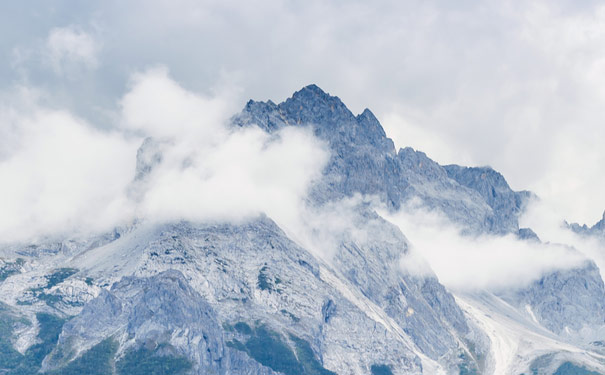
(365, 161)
(597, 230)
(186, 297)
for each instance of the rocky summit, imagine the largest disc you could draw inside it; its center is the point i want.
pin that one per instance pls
(248, 297)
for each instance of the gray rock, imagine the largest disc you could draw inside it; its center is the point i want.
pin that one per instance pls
(566, 301)
(363, 160)
(597, 230)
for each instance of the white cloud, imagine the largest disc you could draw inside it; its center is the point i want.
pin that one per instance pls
(157, 106)
(66, 176)
(548, 222)
(61, 175)
(483, 83)
(514, 85)
(70, 48)
(212, 171)
(467, 263)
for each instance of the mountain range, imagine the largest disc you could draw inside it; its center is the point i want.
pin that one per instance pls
(250, 297)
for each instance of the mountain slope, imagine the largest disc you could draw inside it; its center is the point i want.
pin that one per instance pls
(250, 297)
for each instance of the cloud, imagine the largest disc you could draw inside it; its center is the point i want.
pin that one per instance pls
(157, 106)
(465, 263)
(514, 85)
(212, 171)
(549, 223)
(323, 229)
(60, 174)
(69, 48)
(63, 175)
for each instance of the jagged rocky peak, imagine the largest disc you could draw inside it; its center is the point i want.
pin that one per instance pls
(312, 105)
(363, 160)
(330, 117)
(488, 182)
(493, 188)
(528, 234)
(244, 298)
(600, 226)
(596, 230)
(149, 155)
(565, 301)
(419, 162)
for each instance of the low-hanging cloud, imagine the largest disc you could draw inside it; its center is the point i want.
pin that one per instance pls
(66, 176)
(70, 47)
(467, 263)
(60, 173)
(548, 222)
(514, 85)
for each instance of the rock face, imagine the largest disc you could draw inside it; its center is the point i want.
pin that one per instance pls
(253, 274)
(493, 188)
(147, 311)
(597, 230)
(249, 298)
(566, 301)
(365, 161)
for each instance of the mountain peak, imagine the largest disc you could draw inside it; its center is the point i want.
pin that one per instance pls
(367, 116)
(312, 105)
(311, 89)
(312, 96)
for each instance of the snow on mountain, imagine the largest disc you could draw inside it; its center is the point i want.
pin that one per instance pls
(329, 295)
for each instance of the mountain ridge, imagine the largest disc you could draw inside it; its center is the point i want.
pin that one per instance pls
(364, 153)
(228, 297)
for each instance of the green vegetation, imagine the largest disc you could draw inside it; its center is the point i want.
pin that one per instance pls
(99, 360)
(540, 362)
(243, 328)
(466, 367)
(268, 282)
(566, 368)
(269, 349)
(55, 278)
(146, 362)
(50, 328)
(9, 357)
(236, 344)
(294, 318)
(14, 363)
(307, 359)
(263, 280)
(11, 268)
(569, 368)
(381, 370)
(96, 361)
(59, 276)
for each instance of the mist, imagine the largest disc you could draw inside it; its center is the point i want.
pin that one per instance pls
(471, 263)
(514, 85)
(62, 175)
(550, 225)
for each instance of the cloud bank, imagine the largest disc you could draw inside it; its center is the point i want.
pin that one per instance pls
(515, 85)
(466, 263)
(69, 47)
(549, 224)
(62, 175)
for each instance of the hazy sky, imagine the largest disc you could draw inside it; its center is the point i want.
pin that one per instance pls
(518, 85)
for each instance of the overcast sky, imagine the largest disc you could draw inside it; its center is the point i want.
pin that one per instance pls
(519, 86)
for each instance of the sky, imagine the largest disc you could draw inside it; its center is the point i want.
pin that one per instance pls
(519, 86)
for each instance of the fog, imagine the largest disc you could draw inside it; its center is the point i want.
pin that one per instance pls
(61, 175)
(471, 263)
